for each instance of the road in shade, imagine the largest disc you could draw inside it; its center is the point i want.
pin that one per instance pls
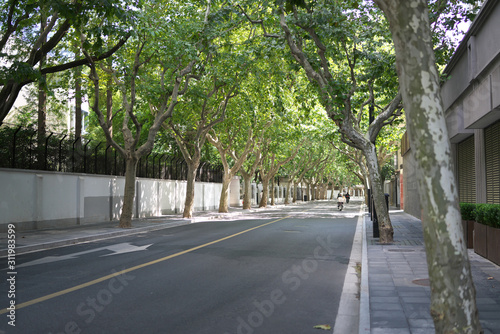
(278, 271)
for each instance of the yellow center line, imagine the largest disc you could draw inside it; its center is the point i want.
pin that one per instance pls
(118, 273)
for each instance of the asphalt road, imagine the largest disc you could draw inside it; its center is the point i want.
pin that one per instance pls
(282, 273)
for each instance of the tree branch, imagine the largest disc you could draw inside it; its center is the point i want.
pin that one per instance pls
(258, 22)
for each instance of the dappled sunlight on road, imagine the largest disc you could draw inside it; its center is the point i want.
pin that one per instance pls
(324, 210)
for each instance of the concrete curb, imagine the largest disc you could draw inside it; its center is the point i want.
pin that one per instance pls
(364, 305)
(124, 232)
(347, 319)
(94, 237)
(119, 233)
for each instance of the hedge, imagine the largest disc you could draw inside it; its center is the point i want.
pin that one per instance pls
(468, 211)
(487, 214)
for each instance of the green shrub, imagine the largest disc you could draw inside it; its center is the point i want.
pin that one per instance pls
(488, 214)
(468, 211)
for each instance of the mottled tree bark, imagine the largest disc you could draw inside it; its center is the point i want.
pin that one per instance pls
(377, 186)
(247, 177)
(247, 194)
(453, 304)
(287, 192)
(224, 196)
(273, 192)
(265, 193)
(191, 179)
(129, 192)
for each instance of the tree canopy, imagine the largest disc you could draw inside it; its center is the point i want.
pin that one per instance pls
(294, 76)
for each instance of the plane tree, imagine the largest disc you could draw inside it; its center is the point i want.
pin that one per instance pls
(345, 53)
(248, 170)
(315, 178)
(237, 138)
(281, 145)
(190, 127)
(151, 73)
(234, 144)
(32, 32)
(273, 158)
(286, 134)
(296, 167)
(453, 303)
(355, 162)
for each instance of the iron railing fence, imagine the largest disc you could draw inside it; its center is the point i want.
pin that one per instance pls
(24, 148)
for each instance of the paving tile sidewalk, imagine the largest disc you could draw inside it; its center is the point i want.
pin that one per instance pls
(399, 293)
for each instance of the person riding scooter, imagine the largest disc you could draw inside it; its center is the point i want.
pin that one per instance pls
(347, 197)
(340, 201)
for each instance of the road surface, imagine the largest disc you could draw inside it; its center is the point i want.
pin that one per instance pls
(276, 272)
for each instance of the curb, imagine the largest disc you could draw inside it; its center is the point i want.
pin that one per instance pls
(364, 298)
(347, 319)
(73, 241)
(108, 235)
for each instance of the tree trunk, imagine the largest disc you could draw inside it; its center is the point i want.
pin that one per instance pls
(224, 195)
(384, 221)
(287, 192)
(42, 123)
(109, 105)
(78, 104)
(265, 193)
(295, 192)
(129, 193)
(247, 194)
(191, 178)
(273, 192)
(453, 304)
(42, 104)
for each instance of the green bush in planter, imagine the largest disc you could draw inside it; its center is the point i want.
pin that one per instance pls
(488, 214)
(468, 211)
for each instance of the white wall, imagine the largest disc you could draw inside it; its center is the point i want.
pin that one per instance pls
(36, 199)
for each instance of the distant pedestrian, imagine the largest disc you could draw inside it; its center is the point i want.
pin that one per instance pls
(340, 201)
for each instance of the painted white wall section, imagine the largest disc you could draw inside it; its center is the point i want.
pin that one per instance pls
(34, 200)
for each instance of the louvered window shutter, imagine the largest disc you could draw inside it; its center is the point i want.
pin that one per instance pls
(466, 171)
(492, 153)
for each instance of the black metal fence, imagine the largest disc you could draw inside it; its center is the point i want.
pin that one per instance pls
(23, 148)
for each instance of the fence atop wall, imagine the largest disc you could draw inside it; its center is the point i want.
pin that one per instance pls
(23, 148)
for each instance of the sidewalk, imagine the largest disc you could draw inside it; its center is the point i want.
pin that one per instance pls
(399, 293)
(35, 240)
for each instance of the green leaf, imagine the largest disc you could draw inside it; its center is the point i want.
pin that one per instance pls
(324, 327)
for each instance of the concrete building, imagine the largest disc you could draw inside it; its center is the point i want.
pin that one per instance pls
(471, 101)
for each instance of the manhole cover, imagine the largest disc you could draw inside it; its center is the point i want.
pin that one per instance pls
(401, 250)
(422, 282)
